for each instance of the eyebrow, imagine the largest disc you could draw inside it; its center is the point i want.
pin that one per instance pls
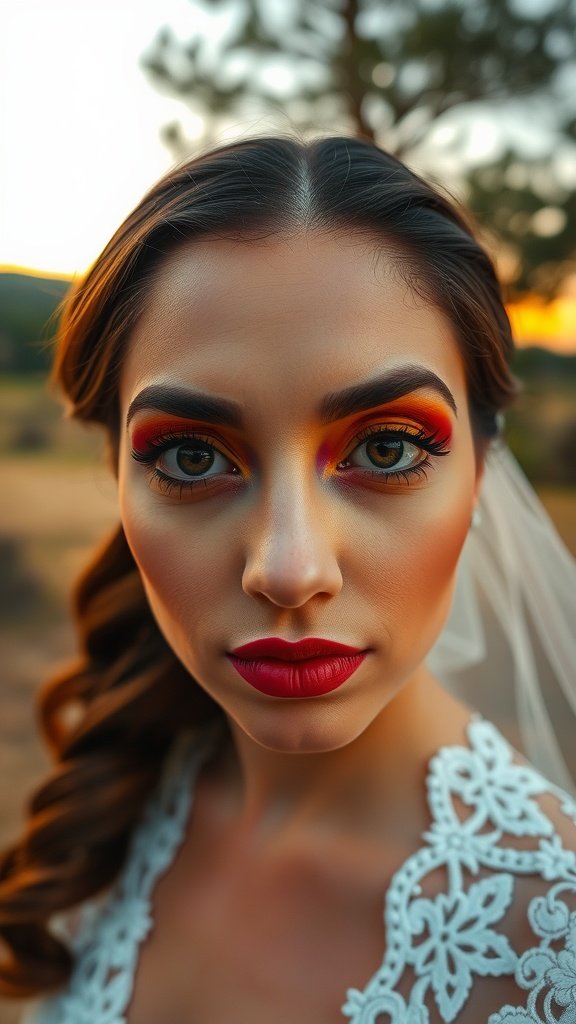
(388, 387)
(196, 405)
(190, 405)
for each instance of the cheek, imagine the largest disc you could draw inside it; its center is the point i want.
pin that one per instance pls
(183, 569)
(408, 566)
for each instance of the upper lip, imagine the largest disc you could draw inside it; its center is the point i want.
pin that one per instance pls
(283, 650)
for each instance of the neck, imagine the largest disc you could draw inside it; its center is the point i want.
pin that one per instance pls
(359, 786)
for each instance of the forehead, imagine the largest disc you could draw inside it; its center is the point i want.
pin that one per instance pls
(302, 313)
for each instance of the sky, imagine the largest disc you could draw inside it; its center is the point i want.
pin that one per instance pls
(79, 123)
(80, 129)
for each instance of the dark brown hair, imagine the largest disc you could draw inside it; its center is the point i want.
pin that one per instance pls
(110, 718)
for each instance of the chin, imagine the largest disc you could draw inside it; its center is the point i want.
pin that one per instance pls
(310, 726)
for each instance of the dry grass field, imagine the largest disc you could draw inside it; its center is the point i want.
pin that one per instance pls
(52, 512)
(51, 516)
(57, 501)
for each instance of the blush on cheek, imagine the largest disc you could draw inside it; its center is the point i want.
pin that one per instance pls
(175, 613)
(181, 580)
(432, 576)
(413, 582)
(155, 555)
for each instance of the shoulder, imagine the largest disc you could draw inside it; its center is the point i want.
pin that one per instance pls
(493, 784)
(506, 837)
(493, 810)
(481, 919)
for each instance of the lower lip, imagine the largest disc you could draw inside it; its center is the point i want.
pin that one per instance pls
(310, 678)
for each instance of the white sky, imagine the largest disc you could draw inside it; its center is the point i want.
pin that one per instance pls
(79, 123)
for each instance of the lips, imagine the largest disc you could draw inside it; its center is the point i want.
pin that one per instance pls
(299, 651)
(307, 668)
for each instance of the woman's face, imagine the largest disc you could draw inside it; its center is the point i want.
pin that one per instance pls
(296, 460)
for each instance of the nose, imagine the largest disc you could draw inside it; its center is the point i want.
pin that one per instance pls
(290, 555)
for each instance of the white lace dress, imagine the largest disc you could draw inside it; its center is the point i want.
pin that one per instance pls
(488, 836)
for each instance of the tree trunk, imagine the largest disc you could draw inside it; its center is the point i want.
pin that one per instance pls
(353, 87)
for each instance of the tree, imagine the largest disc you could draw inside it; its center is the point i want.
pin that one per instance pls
(533, 215)
(405, 73)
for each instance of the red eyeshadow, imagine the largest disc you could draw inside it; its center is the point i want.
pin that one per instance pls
(149, 431)
(423, 412)
(419, 412)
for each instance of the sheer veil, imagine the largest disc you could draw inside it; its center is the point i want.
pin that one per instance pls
(509, 645)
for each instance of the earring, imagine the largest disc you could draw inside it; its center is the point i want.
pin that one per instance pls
(476, 517)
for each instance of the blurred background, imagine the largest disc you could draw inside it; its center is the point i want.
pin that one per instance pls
(100, 97)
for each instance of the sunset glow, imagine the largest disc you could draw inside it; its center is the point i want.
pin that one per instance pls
(551, 324)
(80, 150)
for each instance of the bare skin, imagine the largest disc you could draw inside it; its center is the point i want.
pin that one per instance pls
(273, 919)
(273, 907)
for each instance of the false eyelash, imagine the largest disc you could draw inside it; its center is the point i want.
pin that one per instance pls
(156, 445)
(407, 475)
(162, 443)
(169, 484)
(430, 442)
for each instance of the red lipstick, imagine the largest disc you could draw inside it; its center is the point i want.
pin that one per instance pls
(308, 668)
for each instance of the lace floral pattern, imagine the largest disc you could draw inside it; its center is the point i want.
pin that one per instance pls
(107, 943)
(445, 942)
(452, 939)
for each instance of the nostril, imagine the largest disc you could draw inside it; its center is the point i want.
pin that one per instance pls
(293, 580)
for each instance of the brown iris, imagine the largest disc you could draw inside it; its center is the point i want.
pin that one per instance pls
(384, 453)
(194, 460)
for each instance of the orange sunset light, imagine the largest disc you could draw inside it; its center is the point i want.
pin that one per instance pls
(49, 275)
(551, 324)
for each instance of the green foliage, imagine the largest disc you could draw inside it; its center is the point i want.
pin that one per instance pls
(543, 370)
(541, 427)
(532, 214)
(27, 321)
(21, 589)
(389, 72)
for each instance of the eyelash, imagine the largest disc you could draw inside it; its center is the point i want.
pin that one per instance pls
(434, 445)
(431, 443)
(163, 443)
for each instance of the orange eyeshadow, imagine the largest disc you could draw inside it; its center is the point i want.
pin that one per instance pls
(144, 436)
(149, 431)
(421, 414)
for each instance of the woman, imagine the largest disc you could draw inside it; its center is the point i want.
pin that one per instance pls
(299, 355)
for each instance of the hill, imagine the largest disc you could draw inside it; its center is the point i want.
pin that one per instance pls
(27, 321)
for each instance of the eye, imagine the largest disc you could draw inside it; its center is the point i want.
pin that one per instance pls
(395, 453)
(381, 451)
(181, 461)
(192, 460)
